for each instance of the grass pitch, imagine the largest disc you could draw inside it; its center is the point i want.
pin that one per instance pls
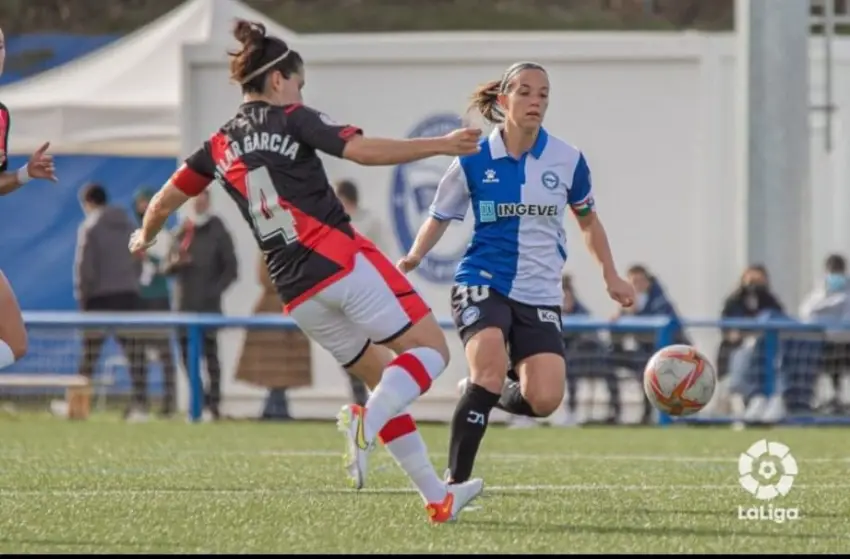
(169, 487)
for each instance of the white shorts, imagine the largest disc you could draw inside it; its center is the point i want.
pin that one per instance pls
(373, 303)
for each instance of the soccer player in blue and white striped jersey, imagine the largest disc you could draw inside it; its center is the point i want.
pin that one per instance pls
(506, 301)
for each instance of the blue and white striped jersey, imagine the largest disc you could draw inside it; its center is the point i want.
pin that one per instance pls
(518, 246)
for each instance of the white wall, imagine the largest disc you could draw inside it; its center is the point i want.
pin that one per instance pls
(654, 114)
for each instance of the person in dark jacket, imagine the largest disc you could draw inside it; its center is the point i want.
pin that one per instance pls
(750, 299)
(156, 297)
(204, 264)
(741, 353)
(650, 300)
(106, 278)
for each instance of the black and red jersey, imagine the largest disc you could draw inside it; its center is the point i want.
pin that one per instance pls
(5, 125)
(266, 159)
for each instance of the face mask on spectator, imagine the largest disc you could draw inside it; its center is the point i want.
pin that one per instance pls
(835, 282)
(755, 289)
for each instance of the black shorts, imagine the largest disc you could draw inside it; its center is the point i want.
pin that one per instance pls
(528, 330)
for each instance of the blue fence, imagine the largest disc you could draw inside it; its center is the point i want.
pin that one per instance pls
(785, 347)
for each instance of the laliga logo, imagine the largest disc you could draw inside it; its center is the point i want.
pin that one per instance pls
(767, 471)
(413, 188)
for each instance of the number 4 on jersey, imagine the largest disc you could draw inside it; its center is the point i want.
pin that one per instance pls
(270, 219)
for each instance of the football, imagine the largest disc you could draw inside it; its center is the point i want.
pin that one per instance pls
(679, 380)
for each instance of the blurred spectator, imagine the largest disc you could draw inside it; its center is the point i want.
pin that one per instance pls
(204, 264)
(587, 357)
(650, 300)
(751, 299)
(751, 397)
(362, 219)
(155, 297)
(367, 225)
(830, 303)
(106, 278)
(274, 359)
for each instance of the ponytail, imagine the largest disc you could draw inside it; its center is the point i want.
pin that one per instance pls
(259, 55)
(486, 100)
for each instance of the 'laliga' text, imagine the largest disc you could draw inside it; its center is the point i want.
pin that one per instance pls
(769, 512)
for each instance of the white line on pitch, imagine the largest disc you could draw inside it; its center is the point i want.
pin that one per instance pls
(519, 456)
(537, 456)
(292, 491)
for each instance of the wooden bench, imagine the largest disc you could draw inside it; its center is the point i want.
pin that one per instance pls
(77, 389)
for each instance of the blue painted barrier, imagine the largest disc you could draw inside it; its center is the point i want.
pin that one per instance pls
(777, 335)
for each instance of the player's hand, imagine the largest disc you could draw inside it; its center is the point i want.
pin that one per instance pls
(137, 244)
(40, 165)
(463, 141)
(621, 291)
(408, 263)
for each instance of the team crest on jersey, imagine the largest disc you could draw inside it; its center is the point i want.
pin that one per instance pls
(470, 315)
(413, 188)
(550, 180)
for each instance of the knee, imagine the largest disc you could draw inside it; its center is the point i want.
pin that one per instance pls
(544, 398)
(426, 333)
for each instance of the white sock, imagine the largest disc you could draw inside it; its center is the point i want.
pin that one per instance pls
(406, 377)
(405, 444)
(7, 356)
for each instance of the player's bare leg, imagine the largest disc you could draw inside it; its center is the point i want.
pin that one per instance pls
(540, 388)
(13, 333)
(422, 354)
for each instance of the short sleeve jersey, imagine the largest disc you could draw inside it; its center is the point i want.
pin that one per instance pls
(518, 246)
(266, 159)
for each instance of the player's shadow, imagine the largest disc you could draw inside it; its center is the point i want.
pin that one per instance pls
(663, 531)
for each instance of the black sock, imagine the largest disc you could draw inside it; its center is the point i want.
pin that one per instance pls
(512, 401)
(468, 426)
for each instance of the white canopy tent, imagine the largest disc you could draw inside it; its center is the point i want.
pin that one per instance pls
(124, 98)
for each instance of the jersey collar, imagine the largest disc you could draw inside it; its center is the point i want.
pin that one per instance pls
(497, 145)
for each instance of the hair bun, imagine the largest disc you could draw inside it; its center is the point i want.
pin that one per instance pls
(249, 32)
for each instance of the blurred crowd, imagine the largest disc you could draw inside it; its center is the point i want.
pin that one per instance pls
(757, 385)
(198, 259)
(188, 269)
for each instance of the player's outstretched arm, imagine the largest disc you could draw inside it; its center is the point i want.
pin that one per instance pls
(426, 239)
(189, 180)
(164, 203)
(321, 133)
(581, 201)
(381, 151)
(597, 243)
(9, 182)
(40, 166)
(451, 202)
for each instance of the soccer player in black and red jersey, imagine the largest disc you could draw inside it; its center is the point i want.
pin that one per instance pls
(13, 334)
(340, 289)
